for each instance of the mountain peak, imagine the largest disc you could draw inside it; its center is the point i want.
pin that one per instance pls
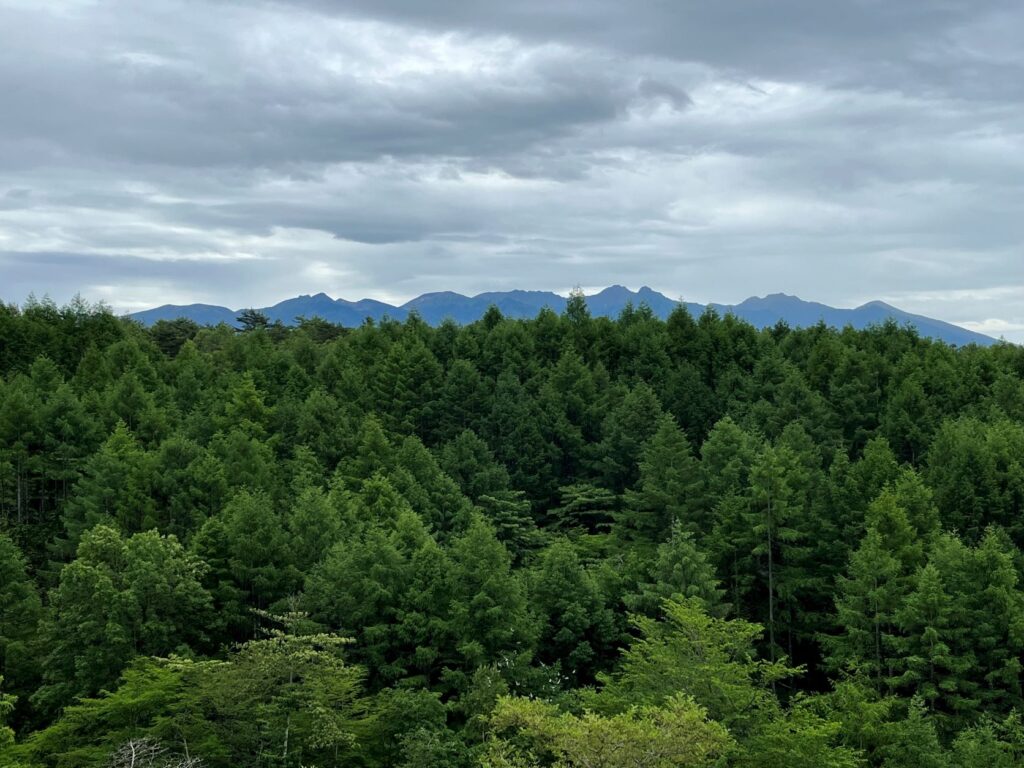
(773, 298)
(878, 305)
(434, 308)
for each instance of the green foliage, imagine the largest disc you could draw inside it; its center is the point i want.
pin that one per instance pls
(688, 651)
(801, 739)
(6, 708)
(626, 429)
(257, 549)
(120, 598)
(678, 733)
(469, 462)
(114, 489)
(363, 588)
(288, 699)
(679, 570)
(670, 489)
(489, 613)
(578, 630)
(314, 526)
(19, 613)
(290, 696)
(815, 534)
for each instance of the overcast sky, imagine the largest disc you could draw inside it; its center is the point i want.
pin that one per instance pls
(239, 153)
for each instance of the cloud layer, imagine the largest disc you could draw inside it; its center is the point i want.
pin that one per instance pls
(239, 152)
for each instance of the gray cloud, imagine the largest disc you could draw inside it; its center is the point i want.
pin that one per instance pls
(239, 153)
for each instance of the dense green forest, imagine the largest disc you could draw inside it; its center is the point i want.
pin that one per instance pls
(568, 541)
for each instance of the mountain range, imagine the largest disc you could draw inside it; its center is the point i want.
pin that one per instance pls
(436, 307)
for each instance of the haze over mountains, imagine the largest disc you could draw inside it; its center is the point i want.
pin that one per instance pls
(436, 307)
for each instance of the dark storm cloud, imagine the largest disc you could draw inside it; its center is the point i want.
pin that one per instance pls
(238, 153)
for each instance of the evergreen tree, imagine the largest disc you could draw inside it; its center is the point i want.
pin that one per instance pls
(358, 590)
(433, 495)
(927, 663)
(468, 461)
(577, 629)
(670, 488)
(118, 599)
(775, 522)
(866, 604)
(679, 571)
(461, 401)
(314, 526)
(259, 557)
(626, 429)
(7, 702)
(510, 514)
(490, 618)
(19, 613)
(114, 490)
(189, 487)
(514, 432)
(583, 506)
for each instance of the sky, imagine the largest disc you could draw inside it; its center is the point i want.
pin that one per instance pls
(239, 152)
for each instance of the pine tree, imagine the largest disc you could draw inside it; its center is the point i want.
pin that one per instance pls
(866, 604)
(514, 433)
(680, 571)
(772, 515)
(433, 495)
(489, 613)
(248, 462)
(468, 461)
(583, 507)
(629, 425)
(314, 526)
(670, 488)
(114, 490)
(19, 613)
(461, 401)
(927, 664)
(358, 591)
(244, 409)
(188, 487)
(510, 513)
(909, 420)
(118, 599)
(577, 628)
(259, 555)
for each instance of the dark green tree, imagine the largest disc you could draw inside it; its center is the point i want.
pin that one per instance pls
(118, 599)
(670, 488)
(577, 628)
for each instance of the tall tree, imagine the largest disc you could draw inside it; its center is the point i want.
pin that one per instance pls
(670, 488)
(577, 628)
(20, 609)
(679, 570)
(118, 599)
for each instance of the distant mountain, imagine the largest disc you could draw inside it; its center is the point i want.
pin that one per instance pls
(767, 311)
(434, 308)
(204, 314)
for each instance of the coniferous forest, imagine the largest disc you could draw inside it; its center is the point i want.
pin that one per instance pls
(567, 541)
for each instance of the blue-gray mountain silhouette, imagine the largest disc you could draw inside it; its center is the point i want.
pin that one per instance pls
(434, 308)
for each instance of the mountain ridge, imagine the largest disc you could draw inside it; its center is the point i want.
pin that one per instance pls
(435, 307)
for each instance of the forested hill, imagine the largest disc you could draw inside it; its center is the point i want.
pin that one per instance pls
(435, 308)
(568, 540)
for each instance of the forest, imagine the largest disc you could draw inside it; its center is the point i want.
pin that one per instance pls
(567, 541)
